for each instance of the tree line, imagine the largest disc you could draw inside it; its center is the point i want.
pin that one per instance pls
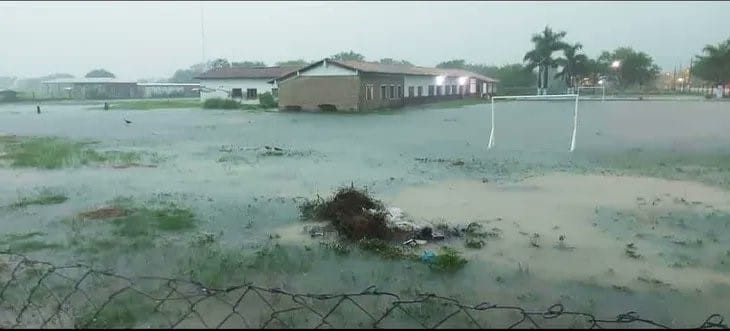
(624, 67)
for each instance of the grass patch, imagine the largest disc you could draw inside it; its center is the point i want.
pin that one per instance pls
(155, 104)
(131, 221)
(218, 103)
(26, 243)
(55, 153)
(46, 197)
(448, 260)
(456, 103)
(385, 249)
(126, 310)
(31, 246)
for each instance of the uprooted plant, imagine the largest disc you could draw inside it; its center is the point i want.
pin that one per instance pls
(352, 212)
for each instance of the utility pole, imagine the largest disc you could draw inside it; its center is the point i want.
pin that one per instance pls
(202, 35)
(674, 79)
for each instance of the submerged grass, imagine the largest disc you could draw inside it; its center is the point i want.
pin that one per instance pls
(155, 104)
(55, 153)
(26, 243)
(46, 197)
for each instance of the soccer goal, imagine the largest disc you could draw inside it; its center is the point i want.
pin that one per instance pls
(602, 88)
(538, 97)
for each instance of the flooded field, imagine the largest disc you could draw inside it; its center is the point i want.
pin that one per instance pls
(636, 219)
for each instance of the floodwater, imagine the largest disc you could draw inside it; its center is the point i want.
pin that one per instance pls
(528, 183)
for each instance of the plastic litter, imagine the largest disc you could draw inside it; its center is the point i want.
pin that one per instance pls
(428, 256)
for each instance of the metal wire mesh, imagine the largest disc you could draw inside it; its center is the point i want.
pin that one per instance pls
(36, 294)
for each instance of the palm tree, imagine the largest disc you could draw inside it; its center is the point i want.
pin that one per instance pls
(573, 65)
(541, 56)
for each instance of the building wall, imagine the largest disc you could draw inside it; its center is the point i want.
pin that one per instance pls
(223, 88)
(416, 81)
(378, 100)
(309, 92)
(328, 70)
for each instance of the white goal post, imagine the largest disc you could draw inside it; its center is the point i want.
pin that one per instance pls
(603, 90)
(548, 97)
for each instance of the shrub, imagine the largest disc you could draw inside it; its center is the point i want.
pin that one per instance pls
(267, 100)
(218, 103)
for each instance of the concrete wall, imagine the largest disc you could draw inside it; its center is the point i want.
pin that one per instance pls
(309, 92)
(415, 82)
(223, 87)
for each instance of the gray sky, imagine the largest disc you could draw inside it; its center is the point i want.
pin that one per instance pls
(153, 39)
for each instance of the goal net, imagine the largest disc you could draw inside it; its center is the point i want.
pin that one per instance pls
(558, 97)
(594, 88)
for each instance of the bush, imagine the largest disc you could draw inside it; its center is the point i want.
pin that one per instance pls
(218, 103)
(267, 100)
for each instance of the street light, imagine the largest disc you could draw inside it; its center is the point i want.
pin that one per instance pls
(616, 64)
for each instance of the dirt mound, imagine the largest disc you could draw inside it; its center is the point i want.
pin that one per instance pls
(353, 213)
(104, 213)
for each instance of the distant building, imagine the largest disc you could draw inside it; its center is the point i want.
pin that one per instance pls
(357, 85)
(8, 95)
(90, 88)
(111, 88)
(243, 84)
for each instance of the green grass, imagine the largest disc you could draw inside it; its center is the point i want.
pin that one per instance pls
(218, 103)
(26, 243)
(46, 197)
(55, 153)
(457, 103)
(155, 104)
(148, 221)
(126, 310)
(385, 249)
(448, 260)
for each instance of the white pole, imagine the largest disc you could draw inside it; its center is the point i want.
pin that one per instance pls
(603, 96)
(491, 134)
(575, 124)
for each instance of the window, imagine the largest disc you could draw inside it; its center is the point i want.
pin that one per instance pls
(447, 90)
(275, 92)
(430, 90)
(420, 91)
(461, 89)
(473, 86)
(400, 92)
(236, 93)
(392, 92)
(369, 92)
(382, 91)
(251, 93)
(453, 89)
(410, 91)
(439, 90)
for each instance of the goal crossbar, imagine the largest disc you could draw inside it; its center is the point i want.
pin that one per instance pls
(603, 90)
(549, 96)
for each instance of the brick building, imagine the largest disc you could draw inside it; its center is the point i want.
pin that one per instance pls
(356, 85)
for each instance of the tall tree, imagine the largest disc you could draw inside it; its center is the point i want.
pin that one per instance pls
(572, 64)
(545, 44)
(635, 68)
(292, 63)
(714, 65)
(99, 73)
(248, 64)
(219, 64)
(453, 64)
(348, 56)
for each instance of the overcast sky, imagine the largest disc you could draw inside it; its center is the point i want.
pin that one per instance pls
(153, 39)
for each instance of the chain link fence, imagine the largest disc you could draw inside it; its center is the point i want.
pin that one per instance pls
(36, 294)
